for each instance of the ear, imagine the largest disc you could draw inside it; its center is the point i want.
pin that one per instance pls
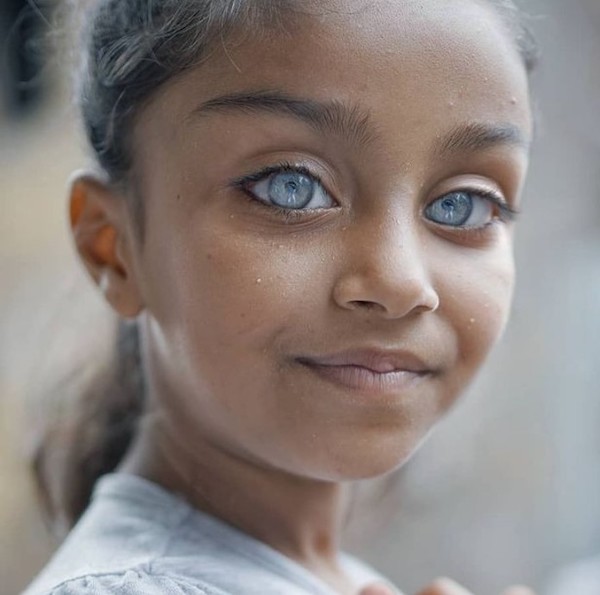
(104, 240)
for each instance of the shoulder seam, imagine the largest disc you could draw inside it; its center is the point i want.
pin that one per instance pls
(174, 531)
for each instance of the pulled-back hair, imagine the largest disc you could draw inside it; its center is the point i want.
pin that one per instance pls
(131, 49)
(135, 46)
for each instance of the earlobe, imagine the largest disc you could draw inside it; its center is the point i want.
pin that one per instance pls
(99, 225)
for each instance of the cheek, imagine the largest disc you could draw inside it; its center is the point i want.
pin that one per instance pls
(479, 296)
(226, 303)
(233, 295)
(235, 307)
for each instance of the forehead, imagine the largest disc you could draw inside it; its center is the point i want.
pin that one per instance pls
(424, 65)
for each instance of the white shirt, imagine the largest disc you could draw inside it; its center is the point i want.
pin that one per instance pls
(137, 538)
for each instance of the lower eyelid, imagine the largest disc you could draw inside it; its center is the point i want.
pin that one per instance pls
(475, 237)
(283, 215)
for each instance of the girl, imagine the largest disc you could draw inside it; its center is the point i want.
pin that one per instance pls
(303, 216)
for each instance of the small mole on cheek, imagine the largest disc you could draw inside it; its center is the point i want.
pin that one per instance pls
(209, 256)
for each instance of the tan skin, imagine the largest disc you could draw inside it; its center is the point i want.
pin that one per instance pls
(237, 301)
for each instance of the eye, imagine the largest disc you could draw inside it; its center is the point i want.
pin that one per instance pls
(287, 187)
(468, 209)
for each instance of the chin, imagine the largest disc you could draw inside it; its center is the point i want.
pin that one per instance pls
(370, 458)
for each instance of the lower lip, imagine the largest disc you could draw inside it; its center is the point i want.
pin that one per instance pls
(368, 381)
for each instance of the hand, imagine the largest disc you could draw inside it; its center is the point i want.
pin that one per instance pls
(439, 587)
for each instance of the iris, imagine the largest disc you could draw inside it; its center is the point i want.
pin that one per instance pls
(291, 190)
(454, 209)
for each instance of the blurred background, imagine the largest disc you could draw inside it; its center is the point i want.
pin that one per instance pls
(507, 490)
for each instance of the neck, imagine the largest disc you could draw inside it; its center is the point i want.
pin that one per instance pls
(300, 518)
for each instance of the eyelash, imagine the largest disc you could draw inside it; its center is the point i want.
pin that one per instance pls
(507, 214)
(281, 167)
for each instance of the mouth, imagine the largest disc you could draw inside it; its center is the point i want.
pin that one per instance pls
(370, 371)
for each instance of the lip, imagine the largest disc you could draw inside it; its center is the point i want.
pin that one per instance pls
(370, 370)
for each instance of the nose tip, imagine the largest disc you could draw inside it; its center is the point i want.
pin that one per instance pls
(387, 278)
(407, 297)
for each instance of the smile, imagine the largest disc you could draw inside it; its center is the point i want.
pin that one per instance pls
(368, 371)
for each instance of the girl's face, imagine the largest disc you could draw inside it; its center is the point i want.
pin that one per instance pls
(328, 246)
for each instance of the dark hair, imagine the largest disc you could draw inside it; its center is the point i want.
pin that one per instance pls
(76, 449)
(132, 48)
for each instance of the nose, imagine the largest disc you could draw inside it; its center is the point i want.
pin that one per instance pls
(385, 271)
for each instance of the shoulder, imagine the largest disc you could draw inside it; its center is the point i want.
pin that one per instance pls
(132, 582)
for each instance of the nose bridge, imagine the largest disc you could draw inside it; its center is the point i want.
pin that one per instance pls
(386, 265)
(389, 246)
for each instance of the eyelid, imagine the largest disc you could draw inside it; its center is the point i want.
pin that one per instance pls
(283, 166)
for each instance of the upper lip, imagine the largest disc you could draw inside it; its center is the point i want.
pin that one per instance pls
(381, 361)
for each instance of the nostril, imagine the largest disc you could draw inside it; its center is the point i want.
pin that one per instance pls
(375, 294)
(367, 305)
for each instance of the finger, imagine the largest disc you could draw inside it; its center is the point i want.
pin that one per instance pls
(445, 586)
(376, 589)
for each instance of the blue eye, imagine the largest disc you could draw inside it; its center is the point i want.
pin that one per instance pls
(462, 209)
(287, 187)
(291, 190)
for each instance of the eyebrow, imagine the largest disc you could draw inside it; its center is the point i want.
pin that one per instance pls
(355, 124)
(474, 137)
(336, 117)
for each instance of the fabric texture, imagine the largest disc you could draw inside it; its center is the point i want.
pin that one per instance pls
(137, 538)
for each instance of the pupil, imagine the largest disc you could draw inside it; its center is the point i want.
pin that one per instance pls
(449, 204)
